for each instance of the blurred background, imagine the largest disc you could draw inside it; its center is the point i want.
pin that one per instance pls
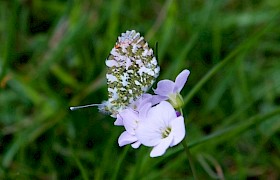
(52, 56)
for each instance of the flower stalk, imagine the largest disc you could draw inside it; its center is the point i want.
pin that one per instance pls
(188, 153)
(189, 156)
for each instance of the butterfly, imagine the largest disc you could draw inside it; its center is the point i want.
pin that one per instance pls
(132, 68)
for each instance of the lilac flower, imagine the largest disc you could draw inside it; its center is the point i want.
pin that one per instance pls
(137, 105)
(160, 129)
(169, 90)
(130, 119)
(152, 121)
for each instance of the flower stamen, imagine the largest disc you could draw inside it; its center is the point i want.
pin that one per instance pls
(166, 132)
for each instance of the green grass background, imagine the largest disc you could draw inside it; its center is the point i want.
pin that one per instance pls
(52, 56)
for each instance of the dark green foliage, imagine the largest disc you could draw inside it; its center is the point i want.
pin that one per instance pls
(52, 56)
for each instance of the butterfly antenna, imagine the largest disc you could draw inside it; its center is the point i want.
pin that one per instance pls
(156, 50)
(85, 106)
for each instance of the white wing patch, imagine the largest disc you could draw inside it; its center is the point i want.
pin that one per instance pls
(131, 70)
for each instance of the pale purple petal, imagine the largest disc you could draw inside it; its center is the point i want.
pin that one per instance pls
(147, 133)
(149, 130)
(157, 99)
(141, 101)
(136, 144)
(126, 138)
(144, 99)
(181, 80)
(178, 130)
(144, 110)
(162, 113)
(160, 149)
(164, 87)
(118, 121)
(146, 96)
(130, 118)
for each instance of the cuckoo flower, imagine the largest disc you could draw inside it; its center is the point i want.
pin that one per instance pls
(130, 119)
(139, 104)
(169, 90)
(160, 129)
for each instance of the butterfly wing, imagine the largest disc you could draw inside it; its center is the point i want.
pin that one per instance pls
(132, 69)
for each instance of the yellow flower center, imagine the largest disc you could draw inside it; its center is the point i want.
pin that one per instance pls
(166, 132)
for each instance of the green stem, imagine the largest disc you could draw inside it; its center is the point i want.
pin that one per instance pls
(190, 158)
(80, 165)
(119, 163)
(181, 111)
(184, 142)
